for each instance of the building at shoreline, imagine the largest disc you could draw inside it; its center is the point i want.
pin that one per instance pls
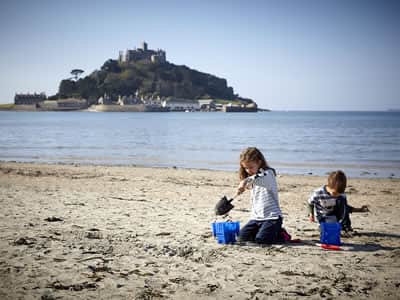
(29, 99)
(39, 102)
(175, 104)
(142, 54)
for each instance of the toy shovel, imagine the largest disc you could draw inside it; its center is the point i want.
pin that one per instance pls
(224, 205)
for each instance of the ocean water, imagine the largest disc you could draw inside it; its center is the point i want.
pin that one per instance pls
(363, 144)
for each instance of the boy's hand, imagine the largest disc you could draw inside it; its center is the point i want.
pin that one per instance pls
(311, 218)
(364, 208)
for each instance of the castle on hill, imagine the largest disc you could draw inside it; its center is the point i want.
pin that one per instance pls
(142, 54)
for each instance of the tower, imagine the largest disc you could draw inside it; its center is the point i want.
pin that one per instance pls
(121, 56)
(144, 46)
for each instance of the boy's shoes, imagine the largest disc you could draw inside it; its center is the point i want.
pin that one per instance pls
(349, 232)
(347, 228)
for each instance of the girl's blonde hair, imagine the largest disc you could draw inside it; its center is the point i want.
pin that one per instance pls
(252, 154)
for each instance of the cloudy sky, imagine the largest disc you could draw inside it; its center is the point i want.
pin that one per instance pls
(285, 55)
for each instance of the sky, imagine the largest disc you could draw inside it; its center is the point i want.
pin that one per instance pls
(285, 55)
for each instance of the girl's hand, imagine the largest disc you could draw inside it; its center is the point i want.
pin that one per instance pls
(242, 186)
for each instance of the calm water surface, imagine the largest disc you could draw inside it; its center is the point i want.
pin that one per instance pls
(363, 144)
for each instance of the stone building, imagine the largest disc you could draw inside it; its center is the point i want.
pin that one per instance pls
(106, 99)
(207, 104)
(29, 99)
(142, 54)
(179, 104)
(128, 100)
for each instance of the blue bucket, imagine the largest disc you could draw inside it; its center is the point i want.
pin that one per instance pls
(226, 232)
(330, 233)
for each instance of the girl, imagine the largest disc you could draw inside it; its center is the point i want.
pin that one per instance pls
(265, 224)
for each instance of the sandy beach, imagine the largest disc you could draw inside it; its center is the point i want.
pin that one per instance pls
(111, 232)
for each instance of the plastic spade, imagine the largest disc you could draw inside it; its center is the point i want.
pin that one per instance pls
(224, 205)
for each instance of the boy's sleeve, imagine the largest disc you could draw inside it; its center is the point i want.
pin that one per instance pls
(348, 207)
(313, 198)
(311, 202)
(341, 208)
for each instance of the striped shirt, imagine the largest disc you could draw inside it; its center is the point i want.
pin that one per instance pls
(324, 203)
(264, 196)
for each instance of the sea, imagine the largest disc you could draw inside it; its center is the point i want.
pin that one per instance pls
(362, 144)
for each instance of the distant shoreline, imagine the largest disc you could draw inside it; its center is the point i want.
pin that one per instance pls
(40, 164)
(11, 107)
(120, 108)
(286, 169)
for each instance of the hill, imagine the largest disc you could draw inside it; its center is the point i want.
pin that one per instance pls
(147, 80)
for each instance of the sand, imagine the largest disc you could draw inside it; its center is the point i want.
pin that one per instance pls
(102, 232)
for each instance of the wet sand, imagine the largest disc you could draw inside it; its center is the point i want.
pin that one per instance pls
(101, 232)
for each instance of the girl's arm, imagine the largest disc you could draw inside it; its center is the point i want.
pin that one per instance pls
(266, 180)
(245, 184)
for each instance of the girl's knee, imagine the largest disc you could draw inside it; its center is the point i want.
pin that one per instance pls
(245, 236)
(264, 240)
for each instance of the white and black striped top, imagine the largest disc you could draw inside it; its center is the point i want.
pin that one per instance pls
(264, 196)
(324, 203)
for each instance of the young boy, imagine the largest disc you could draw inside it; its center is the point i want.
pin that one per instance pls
(329, 202)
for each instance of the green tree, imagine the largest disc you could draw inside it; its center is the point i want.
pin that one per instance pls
(87, 87)
(67, 88)
(76, 73)
(111, 65)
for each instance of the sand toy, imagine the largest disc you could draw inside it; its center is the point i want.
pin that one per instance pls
(224, 205)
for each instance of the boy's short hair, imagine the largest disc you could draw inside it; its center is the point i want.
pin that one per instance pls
(337, 180)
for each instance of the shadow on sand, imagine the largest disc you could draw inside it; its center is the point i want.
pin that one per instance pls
(367, 247)
(357, 247)
(378, 234)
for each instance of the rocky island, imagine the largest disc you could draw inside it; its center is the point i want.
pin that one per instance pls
(139, 80)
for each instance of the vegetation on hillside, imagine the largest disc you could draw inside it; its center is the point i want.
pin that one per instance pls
(149, 80)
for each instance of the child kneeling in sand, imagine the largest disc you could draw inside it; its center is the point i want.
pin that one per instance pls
(265, 225)
(329, 202)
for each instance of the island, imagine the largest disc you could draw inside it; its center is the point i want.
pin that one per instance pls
(139, 80)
